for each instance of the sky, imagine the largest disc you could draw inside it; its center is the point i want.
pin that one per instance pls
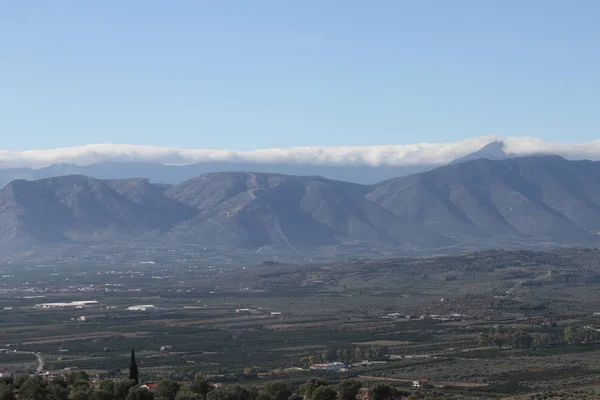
(261, 74)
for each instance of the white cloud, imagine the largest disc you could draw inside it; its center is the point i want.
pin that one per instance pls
(403, 154)
(533, 145)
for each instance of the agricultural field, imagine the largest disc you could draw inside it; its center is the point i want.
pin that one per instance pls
(497, 324)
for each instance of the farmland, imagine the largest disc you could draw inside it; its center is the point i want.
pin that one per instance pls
(257, 322)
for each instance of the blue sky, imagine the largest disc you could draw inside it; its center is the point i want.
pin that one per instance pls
(258, 74)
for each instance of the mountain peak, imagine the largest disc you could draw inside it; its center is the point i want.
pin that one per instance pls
(491, 151)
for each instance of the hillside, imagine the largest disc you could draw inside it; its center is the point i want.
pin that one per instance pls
(77, 209)
(548, 198)
(225, 210)
(250, 210)
(542, 200)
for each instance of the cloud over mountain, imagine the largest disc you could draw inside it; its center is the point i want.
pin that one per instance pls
(391, 155)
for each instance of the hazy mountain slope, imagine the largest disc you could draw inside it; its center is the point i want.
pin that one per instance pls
(170, 174)
(252, 209)
(76, 208)
(572, 188)
(544, 197)
(29, 215)
(160, 210)
(518, 200)
(229, 210)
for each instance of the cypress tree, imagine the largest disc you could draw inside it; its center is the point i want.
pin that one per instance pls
(133, 369)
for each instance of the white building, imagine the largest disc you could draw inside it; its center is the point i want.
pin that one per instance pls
(144, 307)
(75, 304)
(336, 366)
(421, 383)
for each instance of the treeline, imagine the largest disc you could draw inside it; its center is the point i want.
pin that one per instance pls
(347, 355)
(516, 339)
(521, 339)
(578, 335)
(78, 386)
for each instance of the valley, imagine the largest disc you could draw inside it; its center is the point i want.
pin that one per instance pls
(393, 321)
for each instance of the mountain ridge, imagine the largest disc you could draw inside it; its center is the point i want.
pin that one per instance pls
(539, 199)
(172, 174)
(175, 174)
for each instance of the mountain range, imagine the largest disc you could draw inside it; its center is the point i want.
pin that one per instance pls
(173, 174)
(534, 200)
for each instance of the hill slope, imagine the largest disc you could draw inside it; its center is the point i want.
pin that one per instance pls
(251, 210)
(548, 198)
(77, 208)
(228, 210)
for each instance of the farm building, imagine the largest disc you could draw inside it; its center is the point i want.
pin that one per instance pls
(144, 307)
(85, 318)
(75, 304)
(421, 383)
(336, 366)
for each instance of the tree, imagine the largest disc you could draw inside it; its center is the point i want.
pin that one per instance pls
(571, 335)
(249, 372)
(521, 340)
(382, 391)
(107, 385)
(101, 394)
(358, 354)
(58, 390)
(34, 388)
(121, 389)
(139, 393)
(231, 393)
(541, 340)
(348, 389)
(133, 369)
(167, 389)
(20, 380)
(7, 381)
(483, 339)
(324, 393)
(78, 378)
(305, 360)
(7, 395)
(79, 394)
(311, 385)
(279, 390)
(201, 386)
(185, 393)
(498, 339)
(331, 354)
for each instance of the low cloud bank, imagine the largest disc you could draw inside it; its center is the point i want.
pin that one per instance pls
(403, 154)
